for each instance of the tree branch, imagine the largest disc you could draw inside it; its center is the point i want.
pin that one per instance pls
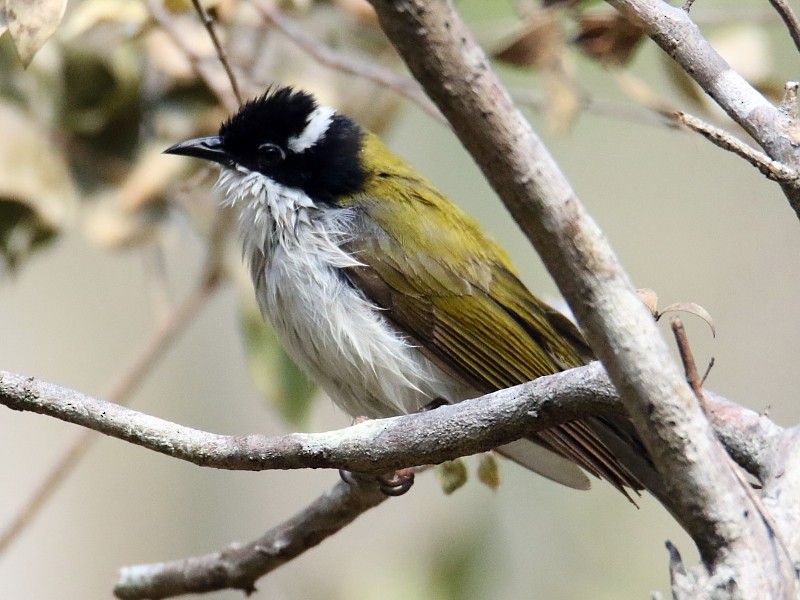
(239, 565)
(402, 85)
(770, 168)
(444, 58)
(380, 445)
(789, 19)
(376, 446)
(208, 23)
(673, 30)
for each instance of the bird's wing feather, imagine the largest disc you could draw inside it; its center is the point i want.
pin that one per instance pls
(453, 292)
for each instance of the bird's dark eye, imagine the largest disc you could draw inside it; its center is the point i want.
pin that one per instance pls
(270, 154)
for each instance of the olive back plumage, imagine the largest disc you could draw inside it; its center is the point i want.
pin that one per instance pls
(455, 293)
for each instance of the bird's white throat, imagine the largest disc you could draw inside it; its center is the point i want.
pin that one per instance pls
(330, 329)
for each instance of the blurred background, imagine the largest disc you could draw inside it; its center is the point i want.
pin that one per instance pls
(102, 238)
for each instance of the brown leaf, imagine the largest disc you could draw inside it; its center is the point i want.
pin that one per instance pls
(650, 300)
(691, 308)
(537, 42)
(640, 92)
(563, 103)
(608, 38)
(31, 23)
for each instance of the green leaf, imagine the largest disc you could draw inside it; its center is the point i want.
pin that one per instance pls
(451, 475)
(489, 471)
(280, 381)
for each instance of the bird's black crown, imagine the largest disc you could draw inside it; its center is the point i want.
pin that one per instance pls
(258, 138)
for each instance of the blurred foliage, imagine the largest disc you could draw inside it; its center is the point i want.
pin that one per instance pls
(452, 575)
(36, 191)
(452, 475)
(118, 80)
(489, 471)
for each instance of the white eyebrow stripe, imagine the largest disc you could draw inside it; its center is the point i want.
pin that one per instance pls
(316, 126)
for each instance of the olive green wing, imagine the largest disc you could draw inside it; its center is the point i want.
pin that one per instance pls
(454, 293)
(448, 286)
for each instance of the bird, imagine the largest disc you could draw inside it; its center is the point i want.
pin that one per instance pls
(385, 292)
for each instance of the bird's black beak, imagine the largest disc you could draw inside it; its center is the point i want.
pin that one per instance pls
(209, 148)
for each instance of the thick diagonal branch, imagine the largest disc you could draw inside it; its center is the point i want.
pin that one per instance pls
(443, 56)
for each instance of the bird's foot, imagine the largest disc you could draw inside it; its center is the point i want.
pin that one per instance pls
(394, 483)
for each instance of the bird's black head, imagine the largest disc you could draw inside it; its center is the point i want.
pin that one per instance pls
(288, 137)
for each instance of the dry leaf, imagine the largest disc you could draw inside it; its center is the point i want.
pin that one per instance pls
(563, 104)
(36, 190)
(691, 308)
(31, 23)
(537, 42)
(650, 300)
(608, 38)
(641, 93)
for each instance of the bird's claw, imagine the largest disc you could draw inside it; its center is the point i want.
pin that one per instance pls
(394, 483)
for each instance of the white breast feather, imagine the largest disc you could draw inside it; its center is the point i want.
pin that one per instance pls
(328, 327)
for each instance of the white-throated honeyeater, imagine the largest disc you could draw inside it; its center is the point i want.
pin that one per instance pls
(384, 291)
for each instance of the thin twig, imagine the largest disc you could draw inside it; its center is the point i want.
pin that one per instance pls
(773, 169)
(208, 22)
(677, 35)
(628, 111)
(402, 85)
(687, 358)
(443, 56)
(790, 20)
(122, 389)
(199, 63)
(693, 378)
